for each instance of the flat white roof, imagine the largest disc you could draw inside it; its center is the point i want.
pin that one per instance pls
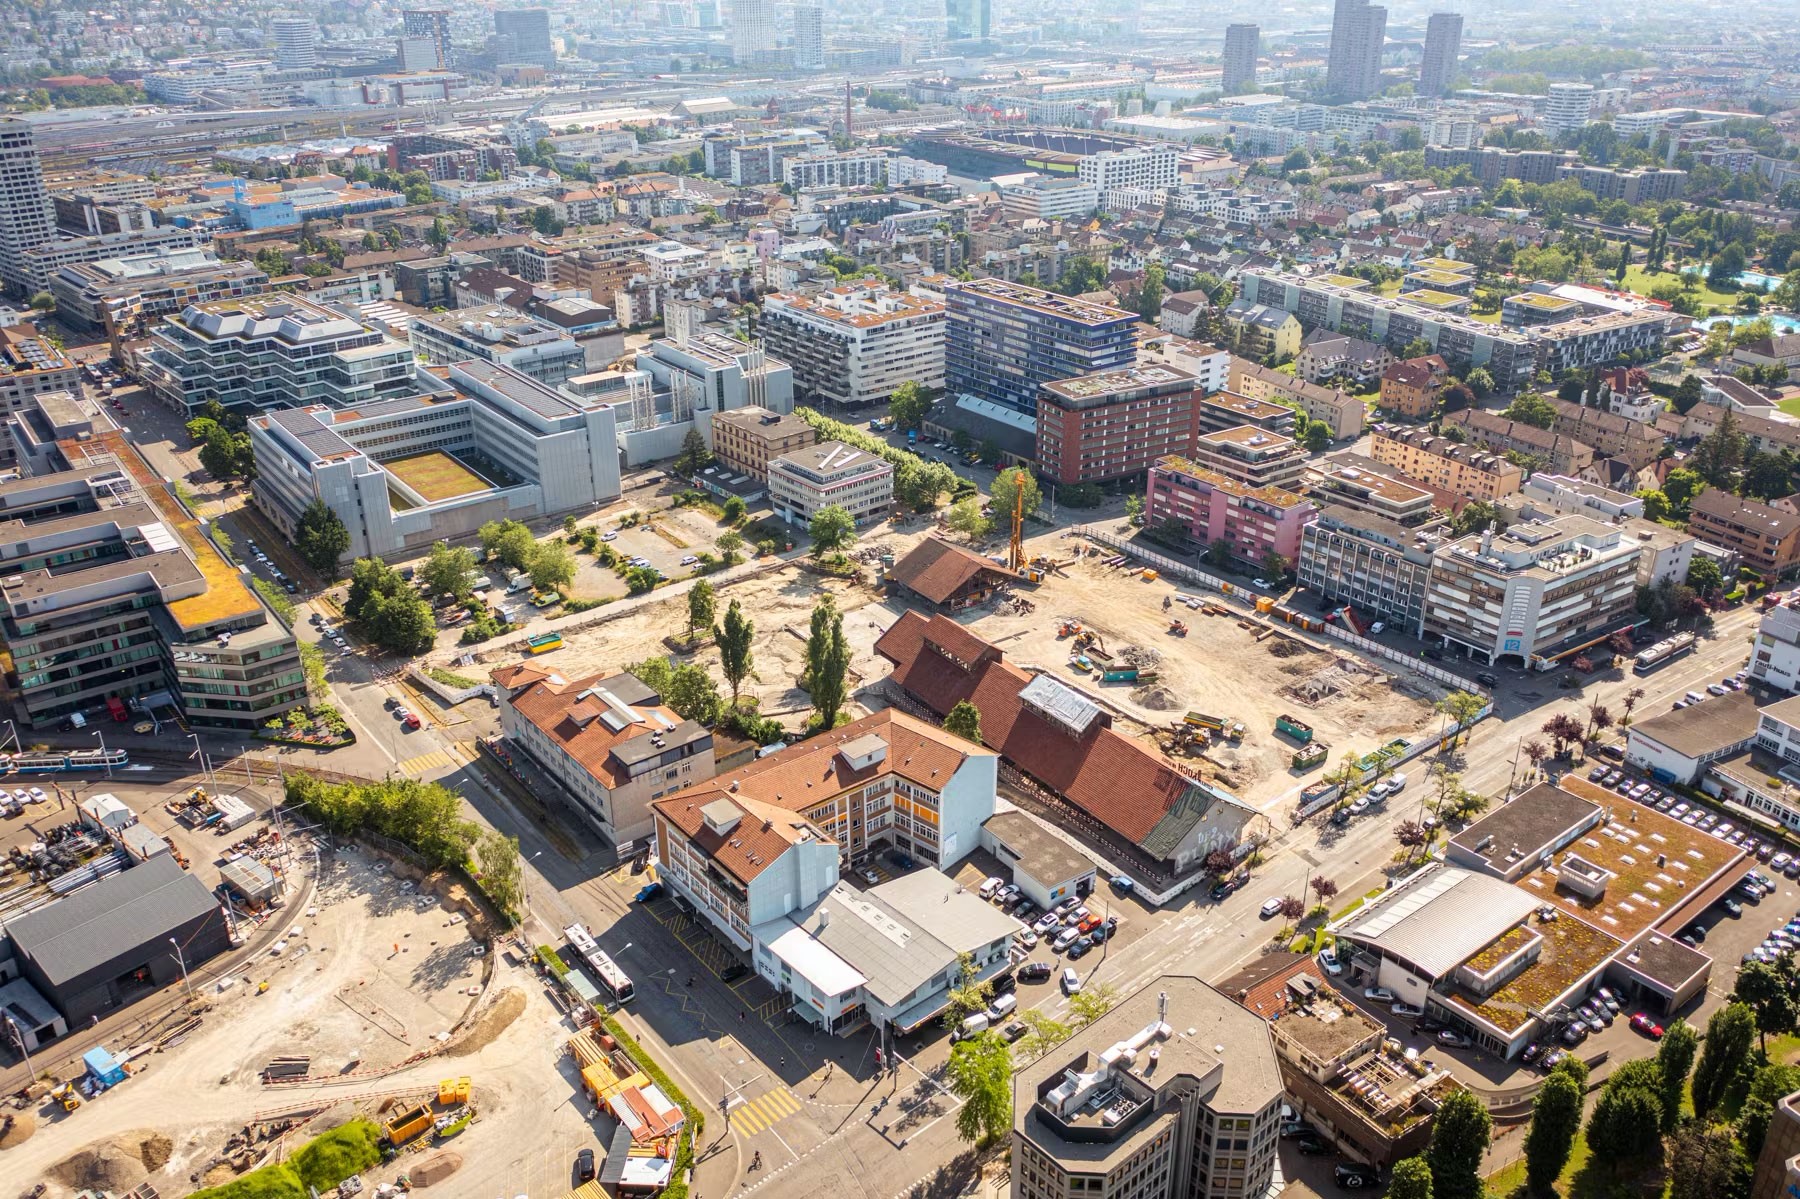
(824, 971)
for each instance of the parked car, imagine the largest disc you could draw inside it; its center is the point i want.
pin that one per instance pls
(1225, 887)
(1378, 995)
(1453, 1039)
(1078, 950)
(1123, 885)
(1644, 1024)
(1575, 1034)
(1532, 1053)
(584, 1166)
(1328, 958)
(1352, 1177)
(1271, 906)
(1732, 907)
(1036, 972)
(1027, 938)
(1013, 1031)
(991, 886)
(1063, 940)
(1312, 1146)
(733, 972)
(1071, 981)
(1407, 1011)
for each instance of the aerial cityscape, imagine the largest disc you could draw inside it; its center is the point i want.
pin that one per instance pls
(907, 599)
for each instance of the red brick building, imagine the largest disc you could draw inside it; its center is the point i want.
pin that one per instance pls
(1113, 425)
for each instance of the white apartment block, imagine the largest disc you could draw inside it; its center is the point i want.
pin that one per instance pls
(1775, 659)
(857, 344)
(830, 473)
(1046, 199)
(853, 168)
(1153, 167)
(495, 333)
(1568, 106)
(27, 217)
(524, 451)
(1539, 592)
(273, 351)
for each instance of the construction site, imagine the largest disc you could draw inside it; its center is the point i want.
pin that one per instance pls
(376, 999)
(1150, 649)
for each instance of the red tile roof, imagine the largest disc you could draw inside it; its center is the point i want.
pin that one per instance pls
(939, 570)
(1112, 777)
(570, 719)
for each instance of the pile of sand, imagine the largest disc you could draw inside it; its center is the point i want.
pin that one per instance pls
(154, 1151)
(111, 1165)
(499, 1015)
(1157, 698)
(435, 1169)
(23, 1125)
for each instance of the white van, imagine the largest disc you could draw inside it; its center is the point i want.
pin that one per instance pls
(1694, 697)
(1002, 1007)
(974, 1026)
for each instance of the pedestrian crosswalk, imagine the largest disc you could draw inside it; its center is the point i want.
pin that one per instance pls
(437, 759)
(754, 1115)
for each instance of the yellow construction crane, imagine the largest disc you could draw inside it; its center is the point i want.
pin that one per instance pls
(1016, 556)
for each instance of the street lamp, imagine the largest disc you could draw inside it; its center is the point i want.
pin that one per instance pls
(19, 1035)
(182, 962)
(205, 766)
(108, 761)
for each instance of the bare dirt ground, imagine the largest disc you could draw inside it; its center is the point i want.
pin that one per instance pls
(338, 990)
(1218, 668)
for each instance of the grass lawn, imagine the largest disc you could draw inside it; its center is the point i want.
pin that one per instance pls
(1503, 1183)
(1641, 281)
(1791, 405)
(321, 1163)
(436, 476)
(1486, 318)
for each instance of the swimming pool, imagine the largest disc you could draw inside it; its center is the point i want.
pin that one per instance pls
(1754, 280)
(1781, 322)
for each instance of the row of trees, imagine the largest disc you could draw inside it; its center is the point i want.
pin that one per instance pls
(426, 818)
(390, 610)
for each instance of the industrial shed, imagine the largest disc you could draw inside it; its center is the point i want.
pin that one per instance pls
(107, 945)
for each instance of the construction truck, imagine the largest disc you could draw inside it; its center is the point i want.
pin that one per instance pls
(1178, 628)
(1127, 674)
(1231, 730)
(66, 1094)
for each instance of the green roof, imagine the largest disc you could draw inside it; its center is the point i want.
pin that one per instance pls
(1435, 299)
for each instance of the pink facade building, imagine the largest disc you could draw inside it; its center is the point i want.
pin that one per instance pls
(1253, 521)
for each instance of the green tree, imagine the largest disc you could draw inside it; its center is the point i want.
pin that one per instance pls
(1681, 485)
(970, 994)
(1555, 1119)
(449, 570)
(980, 1073)
(1726, 266)
(832, 529)
(1475, 516)
(1752, 1124)
(1706, 1162)
(909, 405)
(694, 456)
(1768, 476)
(1042, 1033)
(701, 606)
(321, 538)
(1411, 1179)
(639, 579)
(1134, 509)
(1626, 1127)
(400, 622)
(1318, 437)
(1275, 568)
(1724, 1051)
(1150, 298)
(965, 517)
(312, 662)
(1458, 1142)
(500, 872)
(965, 721)
(1013, 481)
(1720, 454)
(551, 566)
(1704, 575)
(369, 578)
(1656, 504)
(734, 510)
(686, 688)
(508, 542)
(735, 637)
(1481, 382)
(1766, 988)
(827, 662)
(1091, 1002)
(219, 454)
(1674, 1061)
(1531, 409)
